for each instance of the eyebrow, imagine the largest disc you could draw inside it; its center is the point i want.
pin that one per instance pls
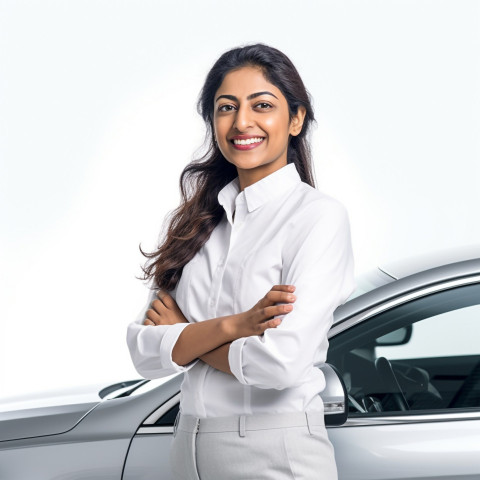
(253, 95)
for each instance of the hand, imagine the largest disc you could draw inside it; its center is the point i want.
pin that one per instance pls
(260, 317)
(164, 311)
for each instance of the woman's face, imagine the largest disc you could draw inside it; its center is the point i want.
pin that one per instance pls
(251, 124)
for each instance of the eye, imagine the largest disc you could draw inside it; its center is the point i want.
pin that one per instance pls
(263, 105)
(226, 108)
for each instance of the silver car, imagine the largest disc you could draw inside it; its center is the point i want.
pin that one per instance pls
(402, 398)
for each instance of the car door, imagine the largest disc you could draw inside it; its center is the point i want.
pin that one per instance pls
(148, 456)
(412, 372)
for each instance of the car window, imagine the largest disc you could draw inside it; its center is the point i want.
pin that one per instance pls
(168, 419)
(447, 334)
(418, 356)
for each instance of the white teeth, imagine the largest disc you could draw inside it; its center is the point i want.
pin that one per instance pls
(248, 141)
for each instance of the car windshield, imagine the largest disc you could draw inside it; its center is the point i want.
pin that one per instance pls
(139, 387)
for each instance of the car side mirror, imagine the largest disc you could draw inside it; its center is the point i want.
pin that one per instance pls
(334, 396)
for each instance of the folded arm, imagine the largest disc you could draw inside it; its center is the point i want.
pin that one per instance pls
(150, 347)
(218, 358)
(162, 342)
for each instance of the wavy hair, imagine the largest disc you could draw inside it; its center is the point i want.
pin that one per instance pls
(192, 222)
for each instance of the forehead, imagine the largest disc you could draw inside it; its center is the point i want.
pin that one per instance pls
(244, 81)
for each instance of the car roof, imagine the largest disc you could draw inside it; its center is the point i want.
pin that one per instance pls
(398, 277)
(414, 264)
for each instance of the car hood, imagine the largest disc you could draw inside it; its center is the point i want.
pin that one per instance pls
(38, 414)
(46, 413)
(37, 422)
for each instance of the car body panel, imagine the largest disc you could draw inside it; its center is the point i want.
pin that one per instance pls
(96, 448)
(36, 422)
(149, 453)
(425, 450)
(60, 460)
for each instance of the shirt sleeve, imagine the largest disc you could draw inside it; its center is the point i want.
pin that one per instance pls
(318, 261)
(151, 346)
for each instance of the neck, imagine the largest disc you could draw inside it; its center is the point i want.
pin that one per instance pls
(247, 177)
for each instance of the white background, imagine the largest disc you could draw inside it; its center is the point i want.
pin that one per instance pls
(98, 119)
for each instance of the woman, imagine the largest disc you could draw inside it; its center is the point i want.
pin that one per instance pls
(252, 224)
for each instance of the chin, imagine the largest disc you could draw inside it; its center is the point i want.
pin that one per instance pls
(250, 166)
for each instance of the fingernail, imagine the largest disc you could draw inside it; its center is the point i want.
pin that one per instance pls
(288, 307)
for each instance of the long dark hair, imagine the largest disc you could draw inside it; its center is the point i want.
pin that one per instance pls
(192, 222)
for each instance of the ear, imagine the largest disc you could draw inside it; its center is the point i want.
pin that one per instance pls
(296, 123)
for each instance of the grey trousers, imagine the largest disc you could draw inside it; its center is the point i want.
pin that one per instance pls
(253, 447)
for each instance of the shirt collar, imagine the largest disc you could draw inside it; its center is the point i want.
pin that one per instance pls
(259, 192)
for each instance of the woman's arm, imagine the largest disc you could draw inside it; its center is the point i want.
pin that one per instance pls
(319, 262)
(200, 338)
(174, 345)
(148, 346)
(218, 358)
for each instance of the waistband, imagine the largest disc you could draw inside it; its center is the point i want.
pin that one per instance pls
(243, 423)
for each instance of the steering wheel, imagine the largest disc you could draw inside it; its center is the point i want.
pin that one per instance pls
(386, 373)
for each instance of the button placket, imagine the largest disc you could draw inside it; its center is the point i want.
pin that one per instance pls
(240, 214)
(218, 276)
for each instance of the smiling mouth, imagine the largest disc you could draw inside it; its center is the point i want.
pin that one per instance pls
(247, 141)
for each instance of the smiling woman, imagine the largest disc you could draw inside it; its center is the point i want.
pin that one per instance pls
(251, 230)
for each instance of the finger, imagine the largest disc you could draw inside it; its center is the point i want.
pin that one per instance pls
(284, 288)
(153, 316)
(274, 323)
(268, 313)
(166, 299)
(148, 322)
(158, 306)
(277, 296)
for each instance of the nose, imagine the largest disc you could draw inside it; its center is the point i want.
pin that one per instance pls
(243, 118)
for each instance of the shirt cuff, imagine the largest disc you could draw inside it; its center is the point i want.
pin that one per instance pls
(169, 340)
(235, 359)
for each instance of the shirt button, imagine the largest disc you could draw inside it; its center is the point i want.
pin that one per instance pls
(212, 302)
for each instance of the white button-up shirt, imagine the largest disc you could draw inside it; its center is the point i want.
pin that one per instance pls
(284, 232)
